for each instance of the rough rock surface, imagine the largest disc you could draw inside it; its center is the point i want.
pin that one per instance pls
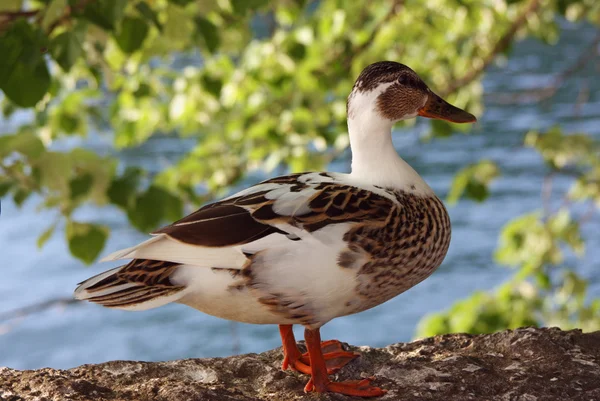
(519, 365)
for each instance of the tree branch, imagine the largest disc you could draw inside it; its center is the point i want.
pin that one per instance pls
(543, 93)
(7, 17)
(502, 44)
(37, 307)
(394, 10)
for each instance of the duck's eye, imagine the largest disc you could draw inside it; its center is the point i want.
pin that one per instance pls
(402, 80)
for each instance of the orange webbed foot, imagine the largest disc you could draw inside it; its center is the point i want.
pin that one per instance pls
(336, 357)
(295, 363)
(319, 378)
(357, 388)
(333, 352)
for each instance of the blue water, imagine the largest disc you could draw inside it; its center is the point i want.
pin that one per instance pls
(86, 333)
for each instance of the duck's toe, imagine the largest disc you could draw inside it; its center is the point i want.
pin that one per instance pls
(356, 388)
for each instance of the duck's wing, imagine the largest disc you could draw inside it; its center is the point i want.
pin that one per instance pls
(287, 208)
(292, 206)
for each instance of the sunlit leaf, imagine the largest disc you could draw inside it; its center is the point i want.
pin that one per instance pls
(25, 143)
(11, 5)
(53, 12)
(45, 236)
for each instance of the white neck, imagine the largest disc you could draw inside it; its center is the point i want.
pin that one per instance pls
(374, 159)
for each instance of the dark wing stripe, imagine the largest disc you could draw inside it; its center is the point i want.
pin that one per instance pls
(110, 281)
(144, 280)
(136, 296)
(220, 225)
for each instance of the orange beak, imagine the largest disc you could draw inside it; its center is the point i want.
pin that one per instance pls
(436, 107)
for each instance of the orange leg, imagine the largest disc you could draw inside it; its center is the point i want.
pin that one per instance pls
(319, 380)
(291, 354)
(333, 353)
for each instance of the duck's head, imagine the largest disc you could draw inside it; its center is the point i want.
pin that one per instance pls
(389, 92)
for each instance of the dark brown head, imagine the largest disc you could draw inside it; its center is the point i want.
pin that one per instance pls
(395, 92)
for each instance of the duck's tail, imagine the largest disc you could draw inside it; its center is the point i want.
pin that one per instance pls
(141, 284)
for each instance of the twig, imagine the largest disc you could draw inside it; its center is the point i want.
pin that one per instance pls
(36, 308)
(16, 14)
(543, 93)
(7, 17)
(502, 44)
(394, 10)
(235, 338)
(547, 193)
(587, 216)
(582, 98)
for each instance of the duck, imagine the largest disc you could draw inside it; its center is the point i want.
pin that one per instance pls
(304, 248)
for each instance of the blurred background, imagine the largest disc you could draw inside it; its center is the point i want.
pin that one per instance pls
(121, 116)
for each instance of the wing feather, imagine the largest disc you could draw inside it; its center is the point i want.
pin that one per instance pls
(308, 201)
(218, 225)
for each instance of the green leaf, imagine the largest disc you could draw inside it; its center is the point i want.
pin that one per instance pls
(45, 236)
(53, 12)
(8, 108)
(25, 143)
(21, 196)
(11, 5)
(181, 3)
(81, 185)
(209, 33)
(55, 169)
(132, 33)
(105, 13)
(476, 191)
(66, 49)
(86, 240)
(154, 206)
(212, 85)
(472, 181)
(143, 90)
(24, 77)
(11, 49)
(179, 27)
(5, 186)
(122, 191)
(441, 128)
(149, 14)
(241, 7)
(27, 85)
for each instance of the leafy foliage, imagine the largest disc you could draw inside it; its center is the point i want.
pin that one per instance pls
(259, 85)
(473, 181)
(544, 289)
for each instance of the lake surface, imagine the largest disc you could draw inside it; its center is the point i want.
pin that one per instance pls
(87, 333)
